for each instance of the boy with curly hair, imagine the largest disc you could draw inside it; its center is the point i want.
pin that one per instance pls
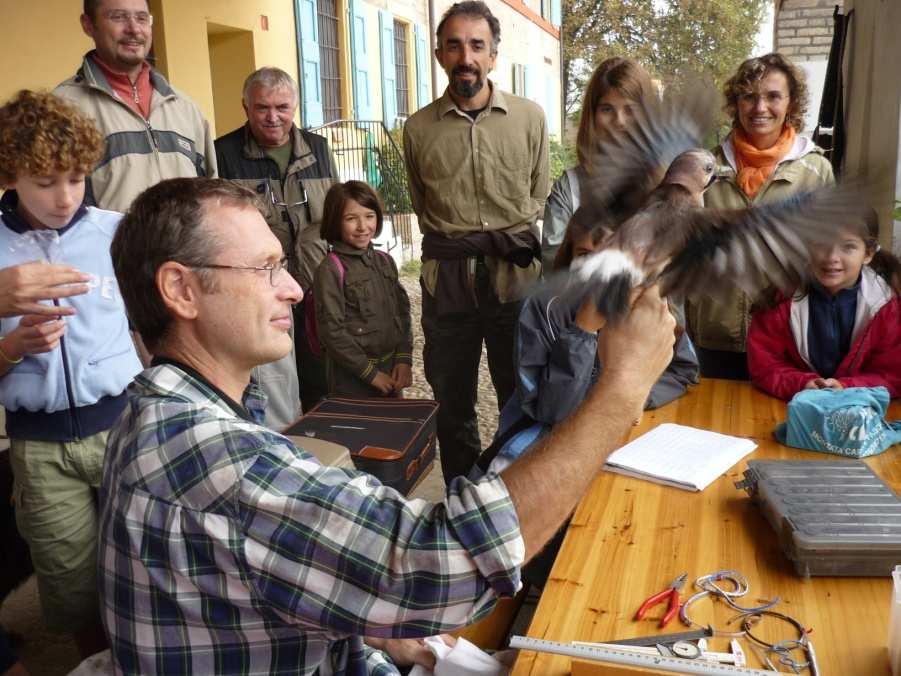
(62, 379)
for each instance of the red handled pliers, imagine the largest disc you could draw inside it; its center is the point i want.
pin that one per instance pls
(672, 593)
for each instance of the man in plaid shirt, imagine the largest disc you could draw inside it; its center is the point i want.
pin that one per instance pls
(224, 549)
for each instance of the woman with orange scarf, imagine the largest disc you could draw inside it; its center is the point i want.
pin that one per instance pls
(764, 159)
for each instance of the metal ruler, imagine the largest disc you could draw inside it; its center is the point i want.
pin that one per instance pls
(616, 656)
(665, 639)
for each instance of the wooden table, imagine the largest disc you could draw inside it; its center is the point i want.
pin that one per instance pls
(628, 538)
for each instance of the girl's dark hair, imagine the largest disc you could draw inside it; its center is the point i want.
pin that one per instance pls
(335, 201)
(884, 263)
(624, 76)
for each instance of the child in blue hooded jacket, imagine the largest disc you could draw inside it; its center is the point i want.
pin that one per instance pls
(556, 349)
(556, 364)
(62, 381)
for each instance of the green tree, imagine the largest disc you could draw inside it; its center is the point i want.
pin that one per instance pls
(670, 38)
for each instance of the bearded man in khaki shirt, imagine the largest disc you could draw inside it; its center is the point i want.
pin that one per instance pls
(477, 164)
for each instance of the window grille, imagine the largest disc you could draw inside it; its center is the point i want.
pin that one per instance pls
(400, 64)
(329, 63)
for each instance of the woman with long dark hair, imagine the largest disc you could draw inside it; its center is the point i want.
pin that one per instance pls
(615, 89)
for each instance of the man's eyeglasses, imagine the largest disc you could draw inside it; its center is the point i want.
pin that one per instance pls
(274, 269)
(122, 17)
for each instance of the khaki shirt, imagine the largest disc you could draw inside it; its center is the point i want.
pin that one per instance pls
(469, 175)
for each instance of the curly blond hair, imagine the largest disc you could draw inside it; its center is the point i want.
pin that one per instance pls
(40, 134)
(752, 71)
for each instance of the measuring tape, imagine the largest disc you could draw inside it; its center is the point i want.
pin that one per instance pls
(599, 654)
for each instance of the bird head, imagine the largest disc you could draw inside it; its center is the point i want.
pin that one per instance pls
(694, 170)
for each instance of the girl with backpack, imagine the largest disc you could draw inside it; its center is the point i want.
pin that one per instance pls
(840, 329)
(362, 311)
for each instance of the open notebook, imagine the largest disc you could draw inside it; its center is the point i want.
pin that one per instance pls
(680, 456)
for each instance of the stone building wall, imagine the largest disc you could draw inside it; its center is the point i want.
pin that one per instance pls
(803, 28)
(803, 32)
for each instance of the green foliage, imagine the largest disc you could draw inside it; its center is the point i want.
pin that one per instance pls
(670, 38)
(392, 174)
(562, 156)
(896, 212)
(411, 268)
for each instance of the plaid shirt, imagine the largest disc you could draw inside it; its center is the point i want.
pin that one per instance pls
(224, 549)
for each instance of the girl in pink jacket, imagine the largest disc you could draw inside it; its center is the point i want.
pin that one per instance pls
(842, 329)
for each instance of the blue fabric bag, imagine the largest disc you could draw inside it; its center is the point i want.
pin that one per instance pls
(848, 422)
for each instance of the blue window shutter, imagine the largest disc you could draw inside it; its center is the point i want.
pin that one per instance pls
(389, 72)
(310, 81)
(422, 65)
(361, 56)
(556, 16)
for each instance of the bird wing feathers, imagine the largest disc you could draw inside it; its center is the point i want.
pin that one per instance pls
(757, 247)
(709, 252)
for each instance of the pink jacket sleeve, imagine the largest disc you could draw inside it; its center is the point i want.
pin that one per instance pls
(881, 348)
(773, 360)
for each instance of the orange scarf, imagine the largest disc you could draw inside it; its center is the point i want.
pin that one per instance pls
(756, 166)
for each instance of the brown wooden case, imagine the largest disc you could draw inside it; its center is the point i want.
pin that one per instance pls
(393, 439)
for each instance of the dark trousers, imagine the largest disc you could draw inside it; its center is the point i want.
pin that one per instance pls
(722, 364)
(311, 374)
(451, 356)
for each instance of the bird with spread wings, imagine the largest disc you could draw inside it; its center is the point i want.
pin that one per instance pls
(645, 192)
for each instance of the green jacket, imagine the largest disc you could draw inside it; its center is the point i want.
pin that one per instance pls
(724, 325)
(364, 322)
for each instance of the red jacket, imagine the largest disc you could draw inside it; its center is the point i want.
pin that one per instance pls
(777, 343)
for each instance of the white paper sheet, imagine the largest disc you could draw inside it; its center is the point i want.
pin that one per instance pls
(464, 659)
(680, 456)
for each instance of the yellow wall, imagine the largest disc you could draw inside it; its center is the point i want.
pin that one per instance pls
(231, 58)
(42, 44)
(344, 54)
(187, 49)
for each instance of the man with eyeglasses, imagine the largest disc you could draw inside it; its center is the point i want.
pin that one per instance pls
(226, 549)
(290, 170)
(152, 130)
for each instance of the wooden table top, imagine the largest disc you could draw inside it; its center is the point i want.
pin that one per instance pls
(628, 538)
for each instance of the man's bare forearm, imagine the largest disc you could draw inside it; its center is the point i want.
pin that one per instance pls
(547, 483)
